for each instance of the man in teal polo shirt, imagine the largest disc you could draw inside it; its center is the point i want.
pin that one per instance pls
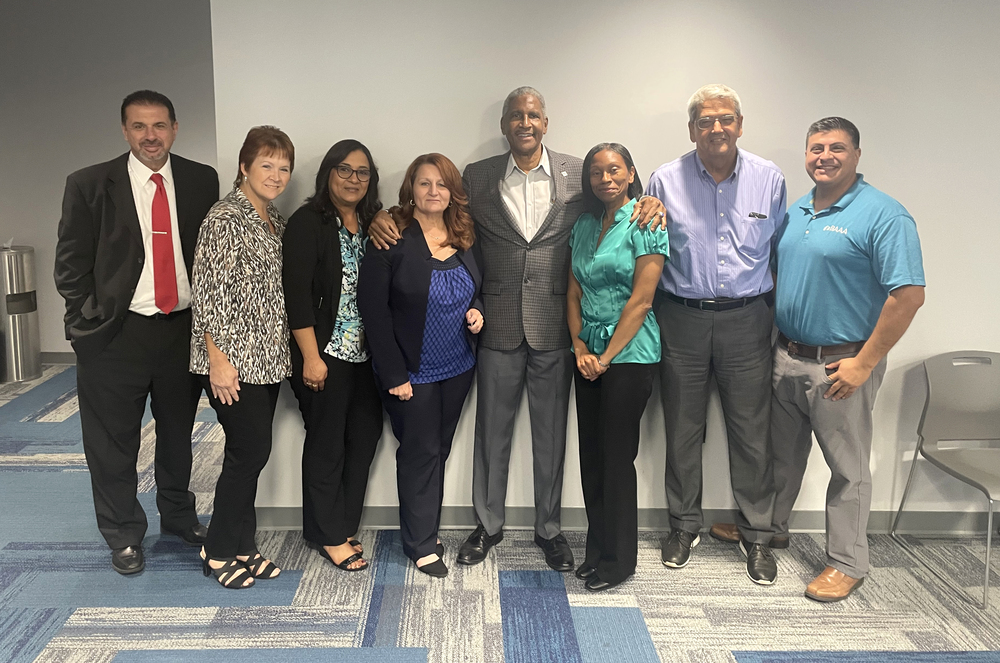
(850, 279)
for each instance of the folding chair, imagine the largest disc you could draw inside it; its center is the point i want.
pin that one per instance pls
(963, 404)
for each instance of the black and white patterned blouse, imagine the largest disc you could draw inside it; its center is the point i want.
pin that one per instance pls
(236, 292)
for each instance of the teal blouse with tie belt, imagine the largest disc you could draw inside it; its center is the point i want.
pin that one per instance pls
(605, 275)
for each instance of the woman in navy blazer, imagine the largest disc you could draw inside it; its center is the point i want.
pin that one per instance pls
(419, 302)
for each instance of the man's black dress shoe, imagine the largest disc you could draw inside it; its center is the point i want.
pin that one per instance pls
(585, 572)
(127, 561)
(557, 553)
(761, 567)
(595, 584)
(193, 536)
(676, 551)
(477, 545)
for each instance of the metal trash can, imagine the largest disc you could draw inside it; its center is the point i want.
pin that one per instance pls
(20, 352)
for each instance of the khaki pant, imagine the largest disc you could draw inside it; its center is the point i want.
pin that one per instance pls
(844, 431)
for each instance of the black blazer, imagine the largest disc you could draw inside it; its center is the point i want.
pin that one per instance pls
(99, 252)
(392, 299)
(312, 273)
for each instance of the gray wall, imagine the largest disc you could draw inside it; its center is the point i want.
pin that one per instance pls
(64, 69)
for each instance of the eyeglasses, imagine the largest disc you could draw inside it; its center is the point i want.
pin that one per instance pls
(346, 171)
(708, 122)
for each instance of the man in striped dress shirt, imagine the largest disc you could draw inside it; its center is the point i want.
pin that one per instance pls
(714, 307)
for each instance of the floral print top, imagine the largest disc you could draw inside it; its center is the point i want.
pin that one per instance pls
(347, 342)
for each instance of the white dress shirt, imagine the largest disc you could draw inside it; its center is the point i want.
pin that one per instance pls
(143, 190)
(528, 196)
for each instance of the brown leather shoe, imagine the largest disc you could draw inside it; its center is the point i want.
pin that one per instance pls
(730, 533)
(727, 532)
(832, 585)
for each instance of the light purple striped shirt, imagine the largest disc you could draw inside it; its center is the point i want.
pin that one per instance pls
(719, 245)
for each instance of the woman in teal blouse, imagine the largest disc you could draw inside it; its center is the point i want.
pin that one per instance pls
(615, 268)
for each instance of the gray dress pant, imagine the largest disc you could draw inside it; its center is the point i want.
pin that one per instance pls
(735, 347)
(502, 376)
(844, 431)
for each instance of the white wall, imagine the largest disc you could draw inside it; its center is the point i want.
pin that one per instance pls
(919, 78)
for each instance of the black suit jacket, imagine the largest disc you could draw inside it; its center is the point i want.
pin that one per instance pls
(392, 299)
(312, 273)
(99, 253)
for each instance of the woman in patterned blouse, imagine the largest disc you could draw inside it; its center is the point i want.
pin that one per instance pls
(239, 344)
(419, 300)
(331, 371)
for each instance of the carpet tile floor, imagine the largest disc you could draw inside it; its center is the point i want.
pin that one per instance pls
(60, 601)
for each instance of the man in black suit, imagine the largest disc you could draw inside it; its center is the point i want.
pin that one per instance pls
(123, 264)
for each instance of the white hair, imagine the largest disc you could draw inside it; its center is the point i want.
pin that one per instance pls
(520, 92)
(713, 91)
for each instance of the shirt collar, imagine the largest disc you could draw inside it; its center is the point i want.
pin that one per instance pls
(844, 200)
(543, 163)
(625, 213)
(704, 171)
(142, 172)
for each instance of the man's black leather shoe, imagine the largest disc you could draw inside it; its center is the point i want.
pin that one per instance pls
(585, 572)
(676, 551)
(127, 561)
(477, 545)
(557, 553)
(761, 567)
(595, 584)
(194, 536)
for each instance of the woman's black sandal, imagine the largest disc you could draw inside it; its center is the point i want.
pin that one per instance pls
(231, 575)
(346, 564)
(260, 567)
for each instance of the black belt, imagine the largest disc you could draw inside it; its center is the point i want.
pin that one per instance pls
(164, 316)
(720, 304)
(817, 352)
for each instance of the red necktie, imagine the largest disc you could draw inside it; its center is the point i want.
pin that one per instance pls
(164, 273)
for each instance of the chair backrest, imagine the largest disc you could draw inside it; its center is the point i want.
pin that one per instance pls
(963, 397)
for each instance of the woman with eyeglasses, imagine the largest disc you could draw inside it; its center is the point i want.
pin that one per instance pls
(420, 302)
(331, 369)
(615, 266)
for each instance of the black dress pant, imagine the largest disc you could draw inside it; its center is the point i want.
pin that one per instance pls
(343, 426)
(148, 357)
(425, 426)
(608, 411)
(247, 425)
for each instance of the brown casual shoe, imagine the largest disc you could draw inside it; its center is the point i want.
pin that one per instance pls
(727, 532)
(832, 585)
(730, 533)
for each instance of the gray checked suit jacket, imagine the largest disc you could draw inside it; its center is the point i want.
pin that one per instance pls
(524, 283)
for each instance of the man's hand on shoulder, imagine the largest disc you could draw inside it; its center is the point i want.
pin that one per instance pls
(650, 210)
(383, 230)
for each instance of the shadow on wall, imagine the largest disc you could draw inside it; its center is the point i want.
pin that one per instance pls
(913, 394)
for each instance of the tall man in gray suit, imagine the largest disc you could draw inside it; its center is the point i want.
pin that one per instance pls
(524, 204)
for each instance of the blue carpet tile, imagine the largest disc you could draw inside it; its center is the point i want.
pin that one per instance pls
(60, 602)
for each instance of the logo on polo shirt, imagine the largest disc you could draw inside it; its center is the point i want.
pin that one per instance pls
(836, 229)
